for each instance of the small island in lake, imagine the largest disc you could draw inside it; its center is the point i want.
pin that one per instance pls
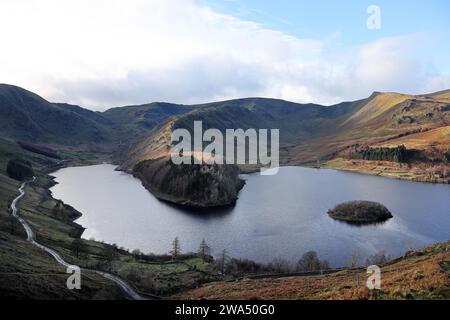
(360, 212)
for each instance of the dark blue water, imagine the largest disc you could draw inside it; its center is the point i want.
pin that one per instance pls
(276, 216)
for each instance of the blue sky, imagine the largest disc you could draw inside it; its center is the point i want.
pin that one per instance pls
(320, 18)
(104, 53)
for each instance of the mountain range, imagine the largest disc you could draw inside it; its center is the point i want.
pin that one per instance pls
(338, 136)
(382, 116)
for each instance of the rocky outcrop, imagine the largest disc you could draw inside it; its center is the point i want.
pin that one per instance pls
(192, 185)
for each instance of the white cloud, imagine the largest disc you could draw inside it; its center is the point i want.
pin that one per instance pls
(109, 53)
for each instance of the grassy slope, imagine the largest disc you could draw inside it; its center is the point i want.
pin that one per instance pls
(438, 138)
(27, 272)
(419, 275)
(380, 103)
(297, 122)
(134, 121)
(433, 142)
(26, 116)
(420, 123)
(441, 95)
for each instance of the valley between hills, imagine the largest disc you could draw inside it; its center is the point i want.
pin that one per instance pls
(387, 134)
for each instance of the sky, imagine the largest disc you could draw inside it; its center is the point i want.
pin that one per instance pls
(106, 53)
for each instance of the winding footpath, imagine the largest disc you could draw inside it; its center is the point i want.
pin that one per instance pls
(129, 291)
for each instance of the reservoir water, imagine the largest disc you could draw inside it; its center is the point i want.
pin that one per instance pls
(283, 215)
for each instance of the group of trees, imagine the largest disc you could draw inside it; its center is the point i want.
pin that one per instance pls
(204, 250)
(227, 265)
(19, 169)
(378, 259)
(46, 151)
(397, 154)
(309, 262)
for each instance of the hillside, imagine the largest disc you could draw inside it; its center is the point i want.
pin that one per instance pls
(26, 116)
(297, 122)
(307, 131)
(377, 104)
(310, 132)
(423, 274)
(134, 121)
(27, 272)
(441, 95)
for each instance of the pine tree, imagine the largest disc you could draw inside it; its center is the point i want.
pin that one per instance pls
(175, 252)
(204, 250)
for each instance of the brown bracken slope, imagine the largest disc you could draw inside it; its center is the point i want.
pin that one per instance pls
(418, 275)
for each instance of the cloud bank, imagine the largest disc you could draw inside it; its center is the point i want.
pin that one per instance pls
(111, 53)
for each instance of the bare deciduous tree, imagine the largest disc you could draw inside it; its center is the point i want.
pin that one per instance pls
(378, 259)
(280, 265)
(136, 253)
(353, 263)
(110, 253)
(353, 260)
(223, 260)
(311, 262)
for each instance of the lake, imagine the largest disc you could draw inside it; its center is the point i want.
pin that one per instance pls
(283, 215)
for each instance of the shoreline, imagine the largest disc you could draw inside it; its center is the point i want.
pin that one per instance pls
(189, 208)
(58, 250)
(383, 169)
